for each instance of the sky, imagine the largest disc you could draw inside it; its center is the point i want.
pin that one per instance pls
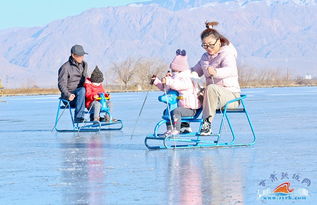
(29, 13)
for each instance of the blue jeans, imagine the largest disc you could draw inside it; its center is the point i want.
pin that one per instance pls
(79, 102)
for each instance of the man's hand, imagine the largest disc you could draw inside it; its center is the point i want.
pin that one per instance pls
(96, 96)
(71, 97)
(212, 71)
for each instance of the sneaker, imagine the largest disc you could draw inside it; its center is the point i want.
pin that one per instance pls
(79, 120)
(206, 128)
(185, 130)
(169, 133)
(174, 132)
(107, 118)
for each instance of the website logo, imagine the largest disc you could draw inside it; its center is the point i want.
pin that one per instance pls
(284, 187)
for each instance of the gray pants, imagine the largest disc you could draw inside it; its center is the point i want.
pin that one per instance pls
(215, 97)
(95, 108)
(177, 115)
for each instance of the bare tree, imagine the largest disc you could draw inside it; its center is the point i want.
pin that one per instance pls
(124, 71)
(137, 72)
(249, 76)
(145, 68)
(246, 75)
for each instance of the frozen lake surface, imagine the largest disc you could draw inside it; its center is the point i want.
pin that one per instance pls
(38, 166)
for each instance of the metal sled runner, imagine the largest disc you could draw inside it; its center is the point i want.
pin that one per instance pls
(194, 139)
(86, 126)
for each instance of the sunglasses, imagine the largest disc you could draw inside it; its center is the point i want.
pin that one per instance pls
(209, 45)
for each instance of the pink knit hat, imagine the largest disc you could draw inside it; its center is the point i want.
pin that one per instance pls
(180, 62)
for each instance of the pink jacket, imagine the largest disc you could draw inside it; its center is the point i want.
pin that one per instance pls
(182, 83)
(225, 64)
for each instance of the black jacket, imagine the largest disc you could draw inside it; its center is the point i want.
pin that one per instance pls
(71, 75)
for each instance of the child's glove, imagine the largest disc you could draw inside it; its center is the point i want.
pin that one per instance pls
(107, 95)
(163, 80)
(168, 74)
(152, 79)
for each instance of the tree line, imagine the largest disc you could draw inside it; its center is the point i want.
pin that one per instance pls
(132, 73)
(135, 73)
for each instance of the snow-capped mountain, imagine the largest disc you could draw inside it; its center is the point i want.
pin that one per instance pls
(279, 35)
(182, 4)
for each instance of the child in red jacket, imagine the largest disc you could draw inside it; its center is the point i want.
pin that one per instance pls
(93, 87)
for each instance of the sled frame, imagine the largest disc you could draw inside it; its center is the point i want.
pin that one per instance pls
(86, 126)
(195, 140)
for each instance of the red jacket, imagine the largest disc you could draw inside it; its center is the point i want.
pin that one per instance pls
(91, 91)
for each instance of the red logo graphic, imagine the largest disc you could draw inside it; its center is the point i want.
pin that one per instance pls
(283, 188)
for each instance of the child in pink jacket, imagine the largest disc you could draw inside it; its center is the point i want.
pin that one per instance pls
(180, 80)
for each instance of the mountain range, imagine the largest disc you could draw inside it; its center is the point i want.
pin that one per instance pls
(268, 34)
(181, 4)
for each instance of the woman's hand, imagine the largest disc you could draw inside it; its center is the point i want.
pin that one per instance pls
(212, 71)
(96, 96)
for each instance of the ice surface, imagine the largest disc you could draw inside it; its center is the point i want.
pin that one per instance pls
(38, 166)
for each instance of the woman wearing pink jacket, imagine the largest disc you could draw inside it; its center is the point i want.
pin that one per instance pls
(181, 81)
(218, 65)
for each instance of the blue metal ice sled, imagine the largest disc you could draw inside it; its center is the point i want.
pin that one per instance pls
(86, 126)
(194, 139)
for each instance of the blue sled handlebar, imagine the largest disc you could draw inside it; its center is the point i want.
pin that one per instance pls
(171, 99)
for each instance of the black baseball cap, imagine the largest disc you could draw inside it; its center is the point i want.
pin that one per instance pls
(78, 50)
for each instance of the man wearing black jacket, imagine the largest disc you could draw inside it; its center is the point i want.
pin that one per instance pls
(71, 78)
